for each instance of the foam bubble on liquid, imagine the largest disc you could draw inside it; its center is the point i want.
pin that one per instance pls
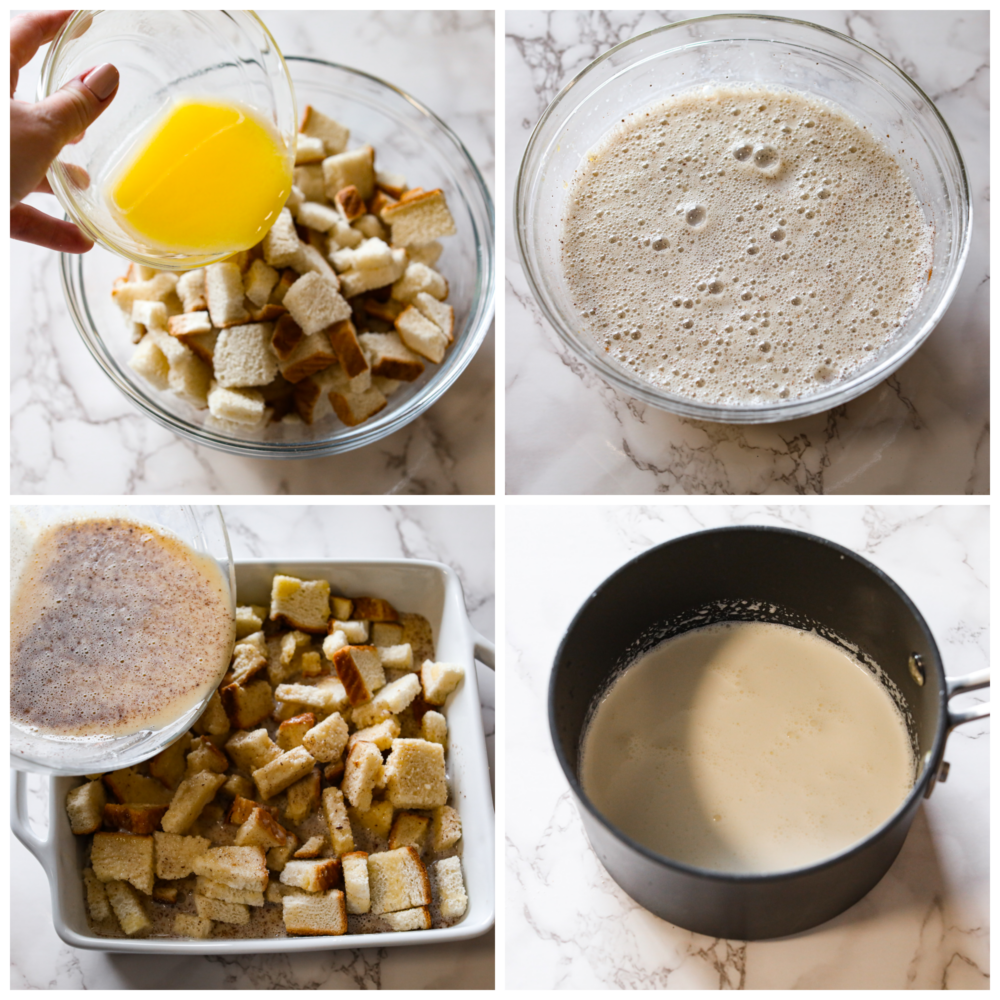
(741, 245)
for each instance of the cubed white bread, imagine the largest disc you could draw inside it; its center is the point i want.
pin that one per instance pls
(439, 680)
(291, 731)
(372, 253)
(391, 700)
(313, 876)
(217, 890)
(360, 671)
(159, 288)
(343, 339)
(390, 358)
(294, 199)
(188, 375)
(352, 406)
(439, 313)
(260, 282)
(446, 828)
(151, 363)
(374, 609)
(386, 386)
(415, 775)
(309, 149)
(419, 278)
(125, 857)
(355, 868)
(334, 641)
(387, 634)
(85, 807)
(192, 795)
(186, 324)
(417, 919)
(377, 820)
(247, 705)
(309, 180)
(202, 345)
(249, 751)
(224, 294)
(337, 821)
(409, 829)
(310, 355)
(312, 696)
(315, 914)
(350, 203)
(356, 631)
(281, 244)
(343, 235)
(425, 253)
(278, 857)
(150, 314)
(387, 310)
(434, 728)
(326, 741)
(312, 396)
(397, 657)
(301, 604)
(176, 854)
(213, 721)
(241, 406)
(371, 226)
(192, 926)
(420, 218)
(333, 134)
(191, 290)
(128, 907)
(261, 829)
(223, 912)
(317, 216)
(381, 734)
(397, 881)
(357, 281)
(355, 167)
(128, 786)
(283, 771)
(312, 848)
(315, 304)
(393, 184)
(311, 259)
(97, 897)
(237, 867)
(363, 773)
(452, 898)
(243, 356)
(249, 619)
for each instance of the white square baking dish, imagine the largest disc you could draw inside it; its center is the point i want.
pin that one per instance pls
(428, 588)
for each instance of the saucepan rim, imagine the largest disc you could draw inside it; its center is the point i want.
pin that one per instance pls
(929, 765)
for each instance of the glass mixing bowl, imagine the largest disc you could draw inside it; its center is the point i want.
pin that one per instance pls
(201, 529)
(160, 55)
(750, 49)
(408, 139)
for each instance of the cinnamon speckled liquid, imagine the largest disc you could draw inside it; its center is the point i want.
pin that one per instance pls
(747, 747)
(740, 245)
(116, 628)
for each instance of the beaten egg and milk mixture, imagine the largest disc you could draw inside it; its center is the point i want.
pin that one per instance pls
(747, 747)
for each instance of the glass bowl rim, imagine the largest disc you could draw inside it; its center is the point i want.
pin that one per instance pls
(482, 306)
(771, 412)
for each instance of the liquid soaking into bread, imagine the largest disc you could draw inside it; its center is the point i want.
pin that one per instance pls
(741, 245)
(117, 627)
(747, 747)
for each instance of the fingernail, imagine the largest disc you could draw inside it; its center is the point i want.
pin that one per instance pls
(102, 81)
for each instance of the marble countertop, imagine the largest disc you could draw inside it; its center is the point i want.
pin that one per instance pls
(461, 537)
(924, 430)
(569, 926)
(73, 432)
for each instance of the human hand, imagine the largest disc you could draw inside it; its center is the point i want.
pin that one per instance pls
(38, 131)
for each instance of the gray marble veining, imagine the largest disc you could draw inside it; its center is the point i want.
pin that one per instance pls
(925, 430)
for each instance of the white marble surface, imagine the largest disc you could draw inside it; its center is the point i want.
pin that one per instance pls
(924, 430)
(461, 537)
(73, 432)
(924, 926)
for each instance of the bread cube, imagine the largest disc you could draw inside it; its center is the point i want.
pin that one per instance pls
(151, 363)
(377, 820)
(363, 772)
(343, 339)
(248, 659)
(320, 698)
(191, 290)
(249, 619)
(397, 881)
(355, 167)
(409, 830)
(309, 180)
(237, 786)
(250, 751)
(360, 671)
(150, 314)
(246, 706)
(185, 325)
(128, 907)
(206, 756)
(315, 914)
(326, 741)
(278, 857)
(355, 631)
(381, 734)
(397, 657)
(391, 700)
(322, 218)
(291, 731)
(315, 303)
(387, 634)
(176, 854)
(350, 203)
(421, 335)
(283, 771)
(415, 775)
(241, 810)
(439, 680)
(313, 876)
(308, 150)
(224, 294)
(223, 912)
(261, 829)
(85, 807)
(192, 795)
(417, 919)
(419, 278)
(192, 926)
(128, 786)
(390, 357)
(374, 609)
(452, 899)
(281, 244)
(216, 890)
(302, 798)
(334, 135)
(354, 407)
(141, 820)
(304, 605)
(97, 897)
(312, 848)
(338, 824)
(420, 219)
(237, 867)
(434, 728)
(239, 406)
(243, 356)
(123, 857)
(439, 313)
(355, 866)
(213, 721)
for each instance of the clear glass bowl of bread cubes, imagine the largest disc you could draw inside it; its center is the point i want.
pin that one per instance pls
(743, 218)
(363, 207)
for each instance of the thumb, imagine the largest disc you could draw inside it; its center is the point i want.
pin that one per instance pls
(73, 108)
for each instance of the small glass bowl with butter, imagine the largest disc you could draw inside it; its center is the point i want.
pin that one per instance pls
(162, 57)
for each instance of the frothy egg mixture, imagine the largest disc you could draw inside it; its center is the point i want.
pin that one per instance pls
(741, 245)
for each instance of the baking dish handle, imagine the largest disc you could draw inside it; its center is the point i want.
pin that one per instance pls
(40, 848)
(485, 650)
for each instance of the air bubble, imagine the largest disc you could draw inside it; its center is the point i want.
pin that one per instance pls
(695, 216)
(743, 152)
(715, 288)
(660, 243)
(777, 234)
(766, 159)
